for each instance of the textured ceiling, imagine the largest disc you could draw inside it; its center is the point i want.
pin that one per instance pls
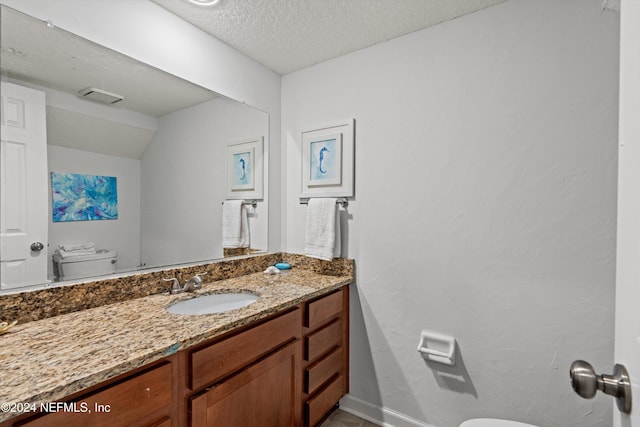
(32, 52)
(287, 35)
(53, 58)
(284, 35)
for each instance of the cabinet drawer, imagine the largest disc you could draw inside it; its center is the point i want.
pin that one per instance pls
(125, 403)
(320, 404)
(223, 358)
(323, 309)
(318, 373)
(323, 340)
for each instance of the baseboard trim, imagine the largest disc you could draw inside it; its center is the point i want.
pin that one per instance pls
(379, 415)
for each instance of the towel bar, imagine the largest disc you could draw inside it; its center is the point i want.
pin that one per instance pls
(253, 203)
(341, 201)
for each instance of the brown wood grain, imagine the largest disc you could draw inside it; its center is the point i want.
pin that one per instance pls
(321, 371)
(323, 340)
(214, 362)
(321, 310)
(128, 403)
(324, 400)
(265, 394)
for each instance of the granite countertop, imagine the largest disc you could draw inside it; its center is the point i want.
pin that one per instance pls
(49, 359)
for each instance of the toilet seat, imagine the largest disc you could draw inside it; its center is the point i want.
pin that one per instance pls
(492, 422)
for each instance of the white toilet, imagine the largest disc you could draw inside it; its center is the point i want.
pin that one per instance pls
(492, 422)
(78, 266)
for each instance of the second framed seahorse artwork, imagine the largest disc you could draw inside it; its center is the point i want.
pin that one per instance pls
(328, 161)
(245, 169)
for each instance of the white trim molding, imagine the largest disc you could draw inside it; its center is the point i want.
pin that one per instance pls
(379, 415)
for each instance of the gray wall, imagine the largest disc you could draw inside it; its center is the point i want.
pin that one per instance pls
(485, 209)
(121, 235)
(184, 181)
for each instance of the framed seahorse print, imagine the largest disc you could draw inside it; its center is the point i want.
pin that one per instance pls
(328, 161)
(245, 169)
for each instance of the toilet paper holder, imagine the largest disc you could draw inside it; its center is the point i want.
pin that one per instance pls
(437, 347)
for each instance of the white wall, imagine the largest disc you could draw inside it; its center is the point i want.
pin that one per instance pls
(144, 31)
(122, 234)
(627, 345)
(485, 209)
(182, 193)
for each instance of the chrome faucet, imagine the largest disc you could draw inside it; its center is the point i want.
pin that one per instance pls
(190, 285)
(194, 283)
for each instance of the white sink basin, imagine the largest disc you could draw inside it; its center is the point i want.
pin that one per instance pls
(213, 303)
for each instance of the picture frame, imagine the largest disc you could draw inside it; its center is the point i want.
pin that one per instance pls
(328, 161)
(80, 197)
(245, 165)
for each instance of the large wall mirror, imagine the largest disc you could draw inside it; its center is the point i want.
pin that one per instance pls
(165, 143)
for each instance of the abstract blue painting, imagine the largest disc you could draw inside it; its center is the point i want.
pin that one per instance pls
(325, 161)
(79, 197)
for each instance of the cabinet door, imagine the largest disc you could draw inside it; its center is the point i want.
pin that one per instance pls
(136, 401)
(264, 394)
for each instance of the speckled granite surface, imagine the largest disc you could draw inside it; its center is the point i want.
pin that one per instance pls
(41, 304)
(52, 358)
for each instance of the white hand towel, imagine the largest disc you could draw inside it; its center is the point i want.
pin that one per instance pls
(235, 225)
(322, 236)
(89, 246)
(76, 249)
(65, 254)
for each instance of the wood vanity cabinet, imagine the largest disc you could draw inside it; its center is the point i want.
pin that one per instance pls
(251, 379)
(325, 362)
(140, 398)
(287, 370)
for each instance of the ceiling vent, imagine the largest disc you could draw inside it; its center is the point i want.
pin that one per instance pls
(100, 95)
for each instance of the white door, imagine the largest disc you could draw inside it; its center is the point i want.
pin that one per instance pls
(627, 339)
(23, 187)
(624, 381)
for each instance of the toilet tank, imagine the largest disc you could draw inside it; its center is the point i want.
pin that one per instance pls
(78, 266)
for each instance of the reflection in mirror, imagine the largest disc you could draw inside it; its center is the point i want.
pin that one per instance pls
(164, 143)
